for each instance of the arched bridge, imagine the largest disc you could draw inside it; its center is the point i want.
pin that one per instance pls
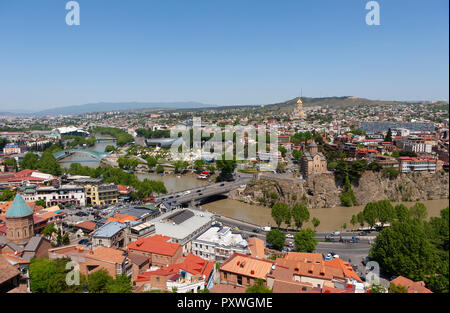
(65, 153)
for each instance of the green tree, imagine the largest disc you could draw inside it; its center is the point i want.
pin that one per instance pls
(418, 211)
(7, 194)
(99, 281)
(280, 211)
(160, 169)
(226, 168)
(354, 220)
(41, 202)
(401, 213)
(393, 288)
(376, 288)
(389, 172)
(300, 214)
(49, 230)
(386, 212)
(48, 164)
(404, 249)
(388, 136)
(49, 276)
(29, 161)
(151, 161)
(276, 239)
(305, 240)
(121, 284)
(199, 165)
(283, 151)
(258, 287)
(316, 222)
(370, 214)
(110, 148)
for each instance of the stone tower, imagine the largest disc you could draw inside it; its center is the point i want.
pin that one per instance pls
(19, 221)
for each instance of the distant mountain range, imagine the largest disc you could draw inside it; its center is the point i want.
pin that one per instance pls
(119, 106)
(173, 106)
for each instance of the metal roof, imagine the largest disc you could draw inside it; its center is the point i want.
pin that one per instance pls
(19, 208)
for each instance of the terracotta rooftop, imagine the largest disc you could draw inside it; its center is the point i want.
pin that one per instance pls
(7, 271)
(256, 247)
(248, 266)
(156, 244)
(412, 286)
(106, 254)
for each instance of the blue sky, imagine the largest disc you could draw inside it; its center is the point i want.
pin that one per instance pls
(222, 52)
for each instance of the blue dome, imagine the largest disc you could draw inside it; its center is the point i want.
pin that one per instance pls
(19, 208)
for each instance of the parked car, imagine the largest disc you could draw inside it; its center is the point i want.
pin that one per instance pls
(84, 242)
(255, 230)
(289, 236)
(336, 233)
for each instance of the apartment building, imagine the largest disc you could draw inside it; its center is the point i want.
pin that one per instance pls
(218, 244)
(411, 164)
(54, 195)
(101, 194)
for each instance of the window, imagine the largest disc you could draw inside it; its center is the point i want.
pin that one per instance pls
(239, 280)
(225, 276)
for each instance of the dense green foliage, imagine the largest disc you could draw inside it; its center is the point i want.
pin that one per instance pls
(7, 194)
(276, 239)
(118, 176)
(389, 172)
(121, 136)
(258, 287)
(101, 282)
(149, 133)
(305, 240)
(300, 214)
(49, 276)
(48, 164)
(416, 249)
(226, 168)
(29, 161)
(281, 213)
(79, 141)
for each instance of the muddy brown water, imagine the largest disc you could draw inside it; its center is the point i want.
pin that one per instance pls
(331, 219)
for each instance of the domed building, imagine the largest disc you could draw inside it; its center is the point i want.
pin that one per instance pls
(19, 221)
(313, 161)
(299, 113)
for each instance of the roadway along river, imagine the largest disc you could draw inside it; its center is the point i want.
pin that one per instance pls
(331, 219)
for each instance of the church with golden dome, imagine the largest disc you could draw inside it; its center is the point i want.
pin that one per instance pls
(299, 113)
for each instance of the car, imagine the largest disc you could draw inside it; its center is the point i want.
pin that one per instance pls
(83, 242)
(255, 230)
(289, 236)
(336, 233)
(222, 184)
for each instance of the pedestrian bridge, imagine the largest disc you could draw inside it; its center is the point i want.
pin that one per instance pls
(65, 153)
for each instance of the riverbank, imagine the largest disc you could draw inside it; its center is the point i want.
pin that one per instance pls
(331, 219)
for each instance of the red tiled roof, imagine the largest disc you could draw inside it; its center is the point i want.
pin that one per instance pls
(156, 244)
(412, 286)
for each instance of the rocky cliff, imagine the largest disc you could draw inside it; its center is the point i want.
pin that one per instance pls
(323, 192)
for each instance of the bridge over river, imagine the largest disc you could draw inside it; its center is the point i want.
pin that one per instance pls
(94, 154)
(195, 195)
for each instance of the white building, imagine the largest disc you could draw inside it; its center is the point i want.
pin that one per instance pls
(182, 226)
(218, 244)
(54, 195)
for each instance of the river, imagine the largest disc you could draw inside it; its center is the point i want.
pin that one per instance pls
(86, 159)
(331, 219)
(175, 183)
